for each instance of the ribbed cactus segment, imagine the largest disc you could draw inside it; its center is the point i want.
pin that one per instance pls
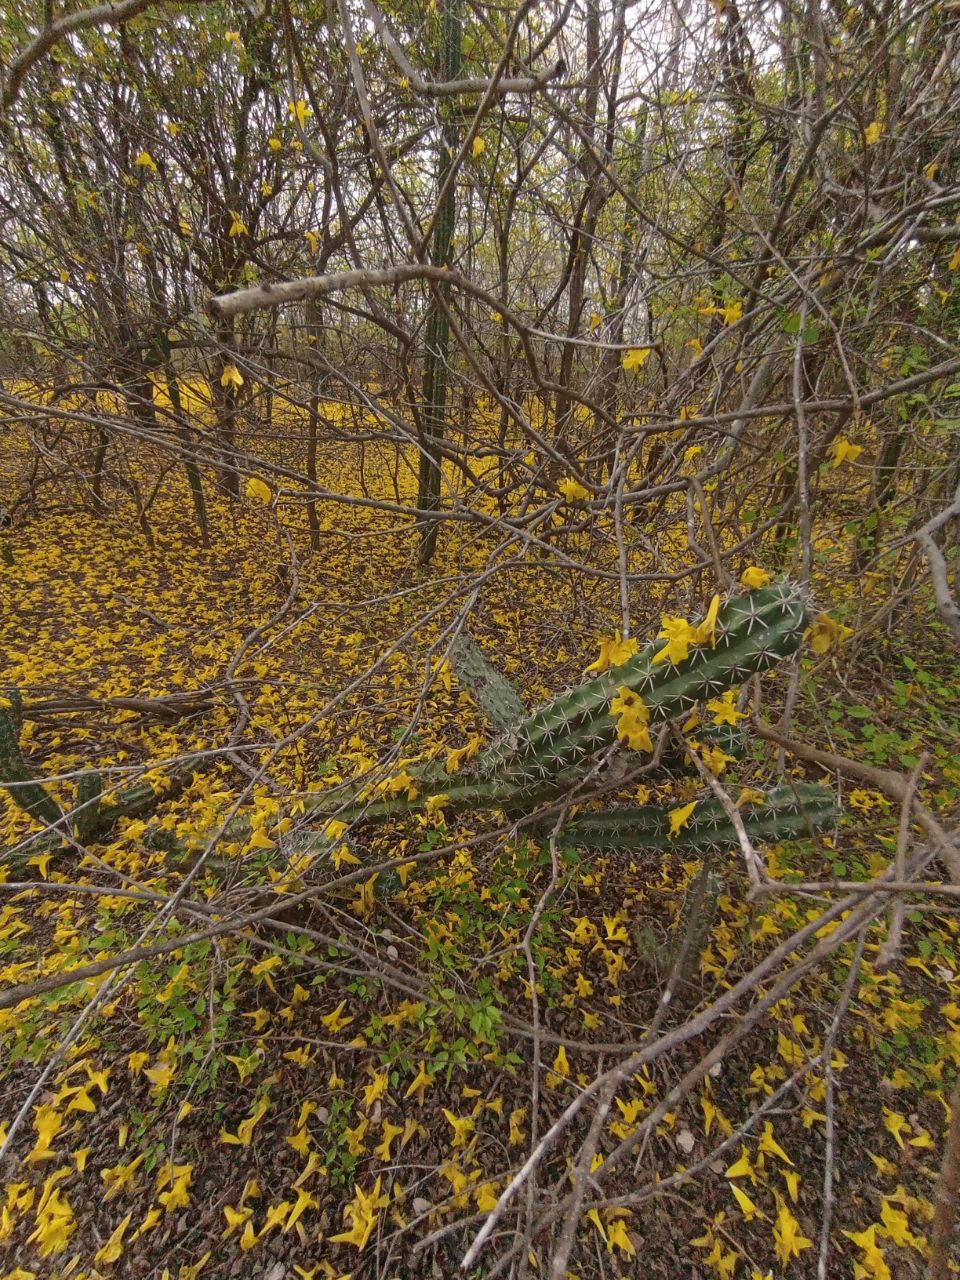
(28, 794)
(790, 812)
(543, 756)
(87, 819)
(753, 633)
(96, 815)
(456, 796)
(11, 707)
(142, 797)
(730, 739)
(498, 699)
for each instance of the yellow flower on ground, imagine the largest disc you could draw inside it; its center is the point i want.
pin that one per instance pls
(747, 1206)
(235, 1218)
(517, 1137)
(421, 1083)
(335, 1021)
(462, 1127)
(769, 1144)
(486, 1197)
(160, 1075)
(55, 1224)
(617, 1238)
(895, 1123)
(787, 1240)
(112, 1250)
(873, 1264)
(246, 1127)
(560, 1070)
(361, 1212)
(390, 1131)
(375, 1090)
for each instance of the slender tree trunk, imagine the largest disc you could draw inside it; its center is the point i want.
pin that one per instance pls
(225, 401)
(592, 201)
(313, 421)
(438, 328)
(194, 480)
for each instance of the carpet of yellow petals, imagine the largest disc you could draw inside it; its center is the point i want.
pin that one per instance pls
(254, 1103)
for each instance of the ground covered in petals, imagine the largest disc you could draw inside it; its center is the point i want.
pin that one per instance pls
(343, 1084)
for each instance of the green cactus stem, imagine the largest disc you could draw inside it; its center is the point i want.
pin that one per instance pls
(498, 699)
(790, 812)
(23, 788)
(546, 753)
(753, 633)
(87, 817)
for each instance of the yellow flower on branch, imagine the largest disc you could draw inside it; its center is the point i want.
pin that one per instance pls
(614, 652)
(636, 358)
(824, 633)
(299, 111)
(572, 490)
(844, 451)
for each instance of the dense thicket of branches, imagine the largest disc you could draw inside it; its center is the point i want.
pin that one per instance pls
(636, 294)
(759, 199)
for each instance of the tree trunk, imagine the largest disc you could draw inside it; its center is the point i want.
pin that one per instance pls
(438, 327)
